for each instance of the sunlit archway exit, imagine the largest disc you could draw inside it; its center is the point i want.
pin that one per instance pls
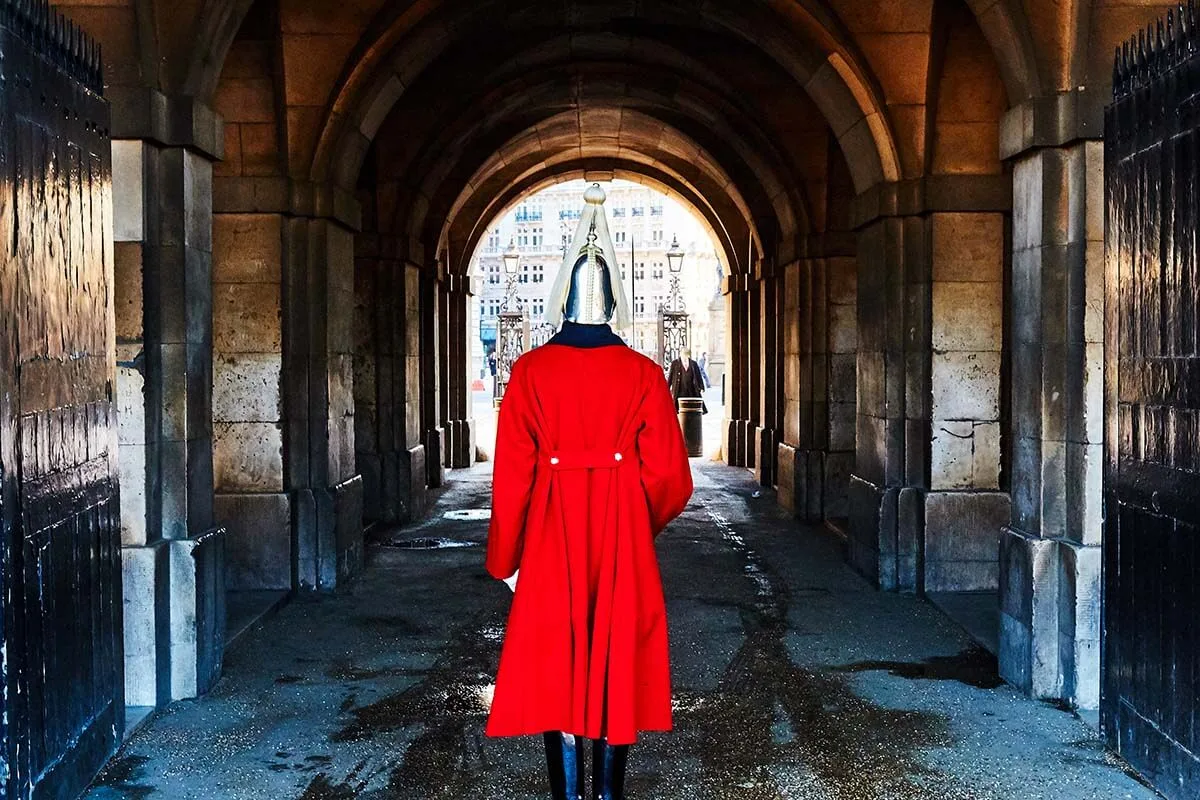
(517, 260)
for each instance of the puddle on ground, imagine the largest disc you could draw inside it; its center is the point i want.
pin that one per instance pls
(124, 774)
(973, 667)
(428, 543)
(468, 514)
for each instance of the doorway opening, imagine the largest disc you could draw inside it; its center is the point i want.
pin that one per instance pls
(645, 223)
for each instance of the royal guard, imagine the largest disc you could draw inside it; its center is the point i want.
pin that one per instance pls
(587, 474)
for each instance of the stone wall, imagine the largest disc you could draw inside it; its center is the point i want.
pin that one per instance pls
(965, 510)
(247, 403)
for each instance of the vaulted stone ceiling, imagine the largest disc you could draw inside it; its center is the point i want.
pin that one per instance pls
(739, 108)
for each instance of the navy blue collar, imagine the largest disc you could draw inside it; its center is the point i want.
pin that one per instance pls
(576, 335)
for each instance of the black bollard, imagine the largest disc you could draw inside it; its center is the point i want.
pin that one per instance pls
(691, 420)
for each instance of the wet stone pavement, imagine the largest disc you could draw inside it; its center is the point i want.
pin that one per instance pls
(793, 679)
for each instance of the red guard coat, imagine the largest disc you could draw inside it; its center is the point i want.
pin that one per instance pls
(587, 473)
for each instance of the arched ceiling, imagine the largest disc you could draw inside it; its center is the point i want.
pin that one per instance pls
(718, 120)
(735, 106)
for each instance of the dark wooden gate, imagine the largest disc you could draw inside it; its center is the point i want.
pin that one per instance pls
(1151, 647)
(61, 707)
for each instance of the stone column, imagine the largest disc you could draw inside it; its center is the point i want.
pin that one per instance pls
(790, 467)
(431, 429)
(319, 465)
(766, 432)
(376, 323)
(965, 510)
(251, 501)
(387, 389)
(817, 454)
(172, 555)
(737, 371)
(458, 424)
(841, 344)
(891, 469)
(413, 465)
(1050, 555)
(755, 367)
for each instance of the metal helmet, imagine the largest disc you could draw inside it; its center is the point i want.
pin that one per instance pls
(588, 287)
(590, 300)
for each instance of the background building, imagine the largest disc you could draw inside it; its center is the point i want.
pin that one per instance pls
(643, 223)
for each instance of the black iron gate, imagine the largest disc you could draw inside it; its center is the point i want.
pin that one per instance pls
(1151, 655)
(61, 708)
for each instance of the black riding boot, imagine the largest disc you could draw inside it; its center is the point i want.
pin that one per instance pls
(564, 761)
(608, 770)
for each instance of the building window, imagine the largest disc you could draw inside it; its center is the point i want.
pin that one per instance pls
(641, 270)
(658, 236)
(618, 212)
(639, 212)
(656, 211)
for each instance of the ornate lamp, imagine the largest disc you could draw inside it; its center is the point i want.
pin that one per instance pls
(512, 334)
(512, 263)
(674, 325)
(675, 256)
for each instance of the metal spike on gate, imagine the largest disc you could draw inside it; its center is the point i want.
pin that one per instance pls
(1158, 50)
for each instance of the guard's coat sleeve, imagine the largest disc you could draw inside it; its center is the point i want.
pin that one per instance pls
(512, 481)
(666, 473)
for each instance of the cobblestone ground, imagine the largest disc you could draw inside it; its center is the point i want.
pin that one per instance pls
(793, 678)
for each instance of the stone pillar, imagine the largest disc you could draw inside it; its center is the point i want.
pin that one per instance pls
(816, 456)
(458, 425)
(789, 463)
(413, 469)
(965, 510)
(755, 367)
(388, 448)
(891, 469)
(319, 467)
(172, 553)
(841, 344)
(737, 371)
(1050, 555)
(431, 429)
(374, 367)
(251, 501)
(766, 432)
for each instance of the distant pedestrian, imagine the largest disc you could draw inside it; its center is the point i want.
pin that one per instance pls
(686, 379)
(703, 362)
(492, 362)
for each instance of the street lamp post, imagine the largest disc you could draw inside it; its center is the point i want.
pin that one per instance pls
(512, 327)
(674, 324)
